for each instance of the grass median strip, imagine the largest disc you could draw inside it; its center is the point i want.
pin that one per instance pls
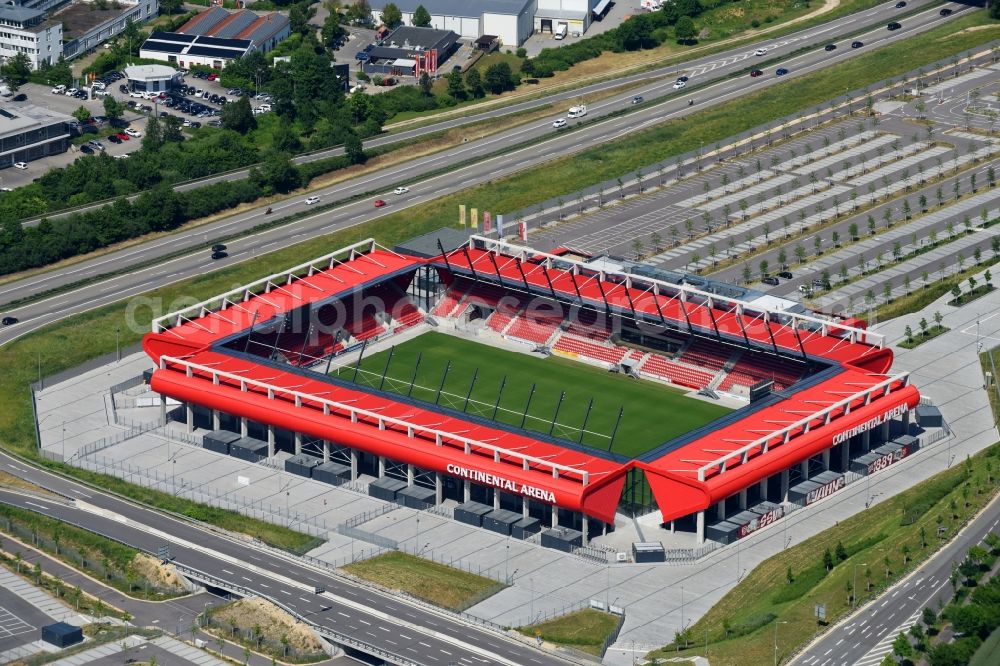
(585, 630)
(436, 583)
(882, 544)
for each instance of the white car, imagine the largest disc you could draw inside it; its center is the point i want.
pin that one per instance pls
(135, 134)
(678, 85)
(20, 165)
(311, 200)
(401, 190)
(71, 91)
(559, 123)
(760, 52)
(137, 93)
(59, 90)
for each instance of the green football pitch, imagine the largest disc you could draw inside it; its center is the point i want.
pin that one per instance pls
(651, 413)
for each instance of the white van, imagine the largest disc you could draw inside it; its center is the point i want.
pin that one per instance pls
(577, 111)
(560, 31)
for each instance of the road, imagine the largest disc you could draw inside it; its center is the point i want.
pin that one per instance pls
(357, 613)
(861, 639)
(707, 68)
(545, 145)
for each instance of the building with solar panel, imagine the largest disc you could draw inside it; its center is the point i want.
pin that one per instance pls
(215, 37)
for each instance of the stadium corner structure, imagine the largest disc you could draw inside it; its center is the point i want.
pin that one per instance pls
(252, 368)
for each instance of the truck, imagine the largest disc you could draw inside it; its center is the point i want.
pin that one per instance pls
(561, 30)
(577, 111)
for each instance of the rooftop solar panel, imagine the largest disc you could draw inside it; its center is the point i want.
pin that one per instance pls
(216, 41)
(172, 36)
(214, 53)
(163, 47)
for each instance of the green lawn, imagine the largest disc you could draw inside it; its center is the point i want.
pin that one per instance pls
(584, 630)
(437, 583)
(653, 413)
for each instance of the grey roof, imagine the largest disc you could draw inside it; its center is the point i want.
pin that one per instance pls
(459, 7)
(240, 22)
(407, 36)
(18, 14)
(426, 245)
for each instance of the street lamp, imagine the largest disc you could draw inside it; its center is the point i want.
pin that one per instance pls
(775, 641)
(854, 584)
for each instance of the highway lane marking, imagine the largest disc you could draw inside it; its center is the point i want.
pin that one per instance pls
(342, 613)
(228, 572)
(365, 622)
(40, 506)
(246, 579)
(286, 592)
(304, 599)
(74, 490)
(839, 642)
(477, 148)
(425, 644)
(384, 628)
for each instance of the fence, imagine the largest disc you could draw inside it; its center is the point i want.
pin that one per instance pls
(98, 569)
(181, 487)
(260, 643)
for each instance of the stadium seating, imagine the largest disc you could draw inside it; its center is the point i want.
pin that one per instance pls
(590, 325)
(592, 350)
(532, 330)
(447, 304)
(662, 368)
(705, 354)
(498, 321)
(752, 368)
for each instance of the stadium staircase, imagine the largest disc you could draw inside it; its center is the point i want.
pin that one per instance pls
(751, 368)
(726, 369)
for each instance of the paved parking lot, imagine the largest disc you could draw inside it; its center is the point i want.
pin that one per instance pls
(19, 621)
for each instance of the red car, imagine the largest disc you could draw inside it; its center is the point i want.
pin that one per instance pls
(379, 203)
(213, 76)
(755, 73)
(123, 136)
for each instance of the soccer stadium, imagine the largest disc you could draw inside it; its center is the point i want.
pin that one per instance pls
(536, 392)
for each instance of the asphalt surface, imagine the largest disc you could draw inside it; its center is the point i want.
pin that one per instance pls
(546, 145)
(701, 69)
(20, 622)
(851, 641)
(359, 614)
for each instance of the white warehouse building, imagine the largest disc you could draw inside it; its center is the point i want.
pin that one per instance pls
(510, 20)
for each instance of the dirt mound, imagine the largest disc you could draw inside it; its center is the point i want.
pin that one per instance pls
(256, 614)
(164, 577)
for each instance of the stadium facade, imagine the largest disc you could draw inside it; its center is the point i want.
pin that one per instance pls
(819, 397)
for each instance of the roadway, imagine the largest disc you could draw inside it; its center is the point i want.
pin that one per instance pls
(161, 266)
(855, 639)
(357, 613)
(706, 68)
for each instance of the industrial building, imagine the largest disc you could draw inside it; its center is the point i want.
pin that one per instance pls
(510, 20)
(29, 132)
(216, 37)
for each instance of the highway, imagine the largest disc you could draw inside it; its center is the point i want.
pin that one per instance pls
(543, 144)
(360, 614)
(706, 68)
(862, 638)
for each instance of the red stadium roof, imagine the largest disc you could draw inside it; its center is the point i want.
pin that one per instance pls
(194, 368)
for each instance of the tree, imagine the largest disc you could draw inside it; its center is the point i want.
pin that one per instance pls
(956, 292)
(238, 116)
(421, 17)
(474, 82)
(82, 114)
(827, 559)
(685, 30)
(456, 87)
(391, 16)
(426, 85)
(763, 268)
(499, 78)
(332, 30)
(840, 551)
(354, 149)
(277, 173)
(152, 141)
(171, 6)
(908, 332)
(113, 109)
(901, 646)
(16, 70)
(923, 326)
